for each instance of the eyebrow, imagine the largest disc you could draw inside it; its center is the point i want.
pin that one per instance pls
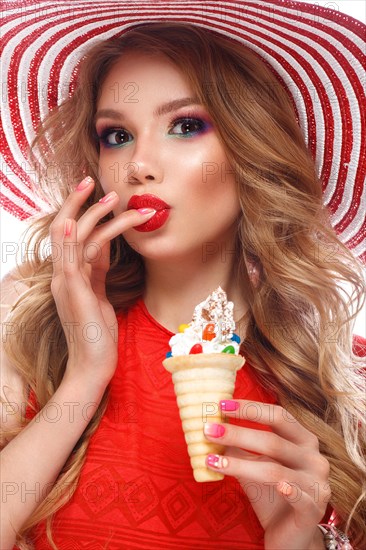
(175, 105)
(160, 111)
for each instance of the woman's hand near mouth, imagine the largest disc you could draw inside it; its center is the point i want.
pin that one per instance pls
(78, 283)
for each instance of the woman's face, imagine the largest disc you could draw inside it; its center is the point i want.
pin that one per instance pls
(159, 149)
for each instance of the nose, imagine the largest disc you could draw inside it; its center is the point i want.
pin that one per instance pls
(145, 163)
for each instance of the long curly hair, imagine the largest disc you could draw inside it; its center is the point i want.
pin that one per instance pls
(300, 318)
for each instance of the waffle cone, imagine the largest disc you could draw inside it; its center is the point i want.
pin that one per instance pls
(201, 381)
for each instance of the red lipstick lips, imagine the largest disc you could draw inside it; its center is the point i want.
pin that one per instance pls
(150, 201)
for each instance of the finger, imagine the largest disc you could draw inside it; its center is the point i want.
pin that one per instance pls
(70, 209)
(99, 269)
(242, 453)
(268, 473)
(90, 218)
(276, 417)
(258, 441)
(89, 247)
(86, 224)
(76, 199)
(118, 225)
(92, 238)
(308, 511)
(248, 470)
(77, 284)
(70, 257)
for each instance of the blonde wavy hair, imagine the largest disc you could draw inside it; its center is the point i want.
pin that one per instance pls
(299, 325)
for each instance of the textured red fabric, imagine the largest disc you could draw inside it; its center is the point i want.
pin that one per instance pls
(136, 489)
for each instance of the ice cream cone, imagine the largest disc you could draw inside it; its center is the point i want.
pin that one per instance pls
(201, 381)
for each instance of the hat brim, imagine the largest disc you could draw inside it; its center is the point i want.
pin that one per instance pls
(318, 54)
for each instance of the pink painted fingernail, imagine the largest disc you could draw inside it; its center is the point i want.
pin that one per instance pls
(146, 210)
(67, 227)
(214, 430)
(108, 197)
(285, 488)
(216, 461)
(229, 405)
(84, 183)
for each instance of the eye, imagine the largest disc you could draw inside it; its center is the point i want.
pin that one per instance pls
(187, 126)
(114, 137)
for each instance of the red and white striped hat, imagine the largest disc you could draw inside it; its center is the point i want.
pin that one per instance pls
(318, 53)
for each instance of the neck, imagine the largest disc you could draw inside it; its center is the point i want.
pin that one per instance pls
(172, 290)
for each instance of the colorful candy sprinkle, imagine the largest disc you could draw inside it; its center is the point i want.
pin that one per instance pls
(209, 332)
(228, 349)
(235, 338)
(197, 348)
(182, 327)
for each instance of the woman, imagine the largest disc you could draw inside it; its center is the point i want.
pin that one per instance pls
(191, 186)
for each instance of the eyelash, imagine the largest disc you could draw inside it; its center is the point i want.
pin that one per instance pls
(203, 127)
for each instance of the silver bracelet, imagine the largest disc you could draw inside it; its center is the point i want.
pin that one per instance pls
(334, 539)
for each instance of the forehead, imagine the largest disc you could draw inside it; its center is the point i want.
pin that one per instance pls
(137, 77)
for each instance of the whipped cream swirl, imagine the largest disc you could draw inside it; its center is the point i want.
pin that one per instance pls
(212, 327)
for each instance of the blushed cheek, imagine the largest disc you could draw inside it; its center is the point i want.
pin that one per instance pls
(216, 170)
(220, 184)
(197, 165)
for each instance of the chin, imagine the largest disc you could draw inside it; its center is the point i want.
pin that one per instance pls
(162, 248)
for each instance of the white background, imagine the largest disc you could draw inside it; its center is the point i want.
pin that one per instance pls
(11, 228)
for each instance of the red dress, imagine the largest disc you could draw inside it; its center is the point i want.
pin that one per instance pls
(136, 489)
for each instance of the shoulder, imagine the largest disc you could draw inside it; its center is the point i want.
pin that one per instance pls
(12, 390)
